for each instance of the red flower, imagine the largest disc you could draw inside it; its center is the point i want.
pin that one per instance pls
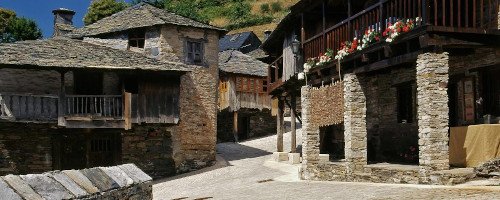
(384, 33)
(377, 38)
(366, 32)
(406, 29)
(398, 30)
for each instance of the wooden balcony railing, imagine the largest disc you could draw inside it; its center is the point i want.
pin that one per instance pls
(105, 106)
(450, 14)
(22, 107)
(275, 74)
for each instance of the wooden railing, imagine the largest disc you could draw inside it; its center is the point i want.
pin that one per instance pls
(275, 74)
(442, 13)
(22, 107)
(109, 106)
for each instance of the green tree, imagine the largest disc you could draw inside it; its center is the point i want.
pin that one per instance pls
(155, 3)
(5, 16)
(14, 29)
(102, 8)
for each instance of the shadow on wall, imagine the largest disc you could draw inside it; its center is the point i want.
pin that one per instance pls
(234, 151)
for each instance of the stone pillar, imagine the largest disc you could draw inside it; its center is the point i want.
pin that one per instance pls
(310, 137)
(355, 124)
(432, 112)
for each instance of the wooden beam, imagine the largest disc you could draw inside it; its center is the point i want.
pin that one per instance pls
(280, 125)
(62, 101)
(235, 126)
(293, 107)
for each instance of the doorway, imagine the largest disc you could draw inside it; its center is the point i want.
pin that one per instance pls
(88, 83)
(79, 149)
(243, 127)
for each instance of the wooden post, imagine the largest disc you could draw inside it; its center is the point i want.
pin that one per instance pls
(62, 101)
(127, 109)
(293, 108)
(235, 126)
(281, 125)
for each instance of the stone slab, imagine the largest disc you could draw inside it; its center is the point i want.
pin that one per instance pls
(81, 180)
(8, 193)
(47, 187)
(118, 175)
(22, 188)
(280, 156)
(69, 184)
(324, 158)
(100, 179)
(294, 158)
(135, 173)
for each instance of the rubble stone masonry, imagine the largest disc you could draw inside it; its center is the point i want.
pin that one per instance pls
(432, 112)
(194, 142)
(355, 124)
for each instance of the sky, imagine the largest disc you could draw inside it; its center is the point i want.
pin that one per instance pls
(41, 11)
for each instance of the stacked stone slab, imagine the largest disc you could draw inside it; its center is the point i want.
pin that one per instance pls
(432, 112)
(118, 182)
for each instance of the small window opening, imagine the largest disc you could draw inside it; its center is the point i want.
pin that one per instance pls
(194, 52)
(136, 39)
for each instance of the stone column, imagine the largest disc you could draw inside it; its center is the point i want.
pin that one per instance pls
(310, 137)
(432, 112)
(355, 124)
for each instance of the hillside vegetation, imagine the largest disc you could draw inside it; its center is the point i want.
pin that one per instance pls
(234, 15)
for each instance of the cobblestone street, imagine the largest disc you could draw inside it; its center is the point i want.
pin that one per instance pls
(245, 171)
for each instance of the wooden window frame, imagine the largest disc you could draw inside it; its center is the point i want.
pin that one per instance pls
(137, 36)
(190, 41)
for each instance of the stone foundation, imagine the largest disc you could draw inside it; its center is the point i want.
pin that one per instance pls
(25, 148)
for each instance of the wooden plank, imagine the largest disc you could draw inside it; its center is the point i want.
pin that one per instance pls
(127, 106)
(235, 126)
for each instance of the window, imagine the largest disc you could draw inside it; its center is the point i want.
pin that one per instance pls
(136, 39)
(194, 52)
(100, 145)
(406, 103)
(264, 86)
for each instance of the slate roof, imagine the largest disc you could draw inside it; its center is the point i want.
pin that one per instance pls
(233, 41)
(233, 61)
(137, 16)
(70, 53)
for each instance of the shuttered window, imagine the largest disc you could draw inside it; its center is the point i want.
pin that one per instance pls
(194, 52)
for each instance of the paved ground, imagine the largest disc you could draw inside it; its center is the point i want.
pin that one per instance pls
(244, 171)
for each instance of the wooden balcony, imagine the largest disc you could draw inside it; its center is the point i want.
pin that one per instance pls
(76, 111)
(275, 74)
(94, 111)
(28, 108)
(466, 16)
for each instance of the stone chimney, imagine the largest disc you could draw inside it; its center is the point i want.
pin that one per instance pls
(63, 21)
(267, 33)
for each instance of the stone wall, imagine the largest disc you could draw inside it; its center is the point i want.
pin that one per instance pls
(195, 139)
(150, 148)
(118, 182)
(37, 82)
(25, 148)
(261, 123)
(355, 133)
(432, 82)
(115, 41)
(327, 105)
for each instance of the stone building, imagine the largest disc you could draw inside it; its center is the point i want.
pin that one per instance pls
(244, 105)
(394, 108)
(139, 86)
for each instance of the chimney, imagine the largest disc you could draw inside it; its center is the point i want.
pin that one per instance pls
(267, 33)
(63, 21)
